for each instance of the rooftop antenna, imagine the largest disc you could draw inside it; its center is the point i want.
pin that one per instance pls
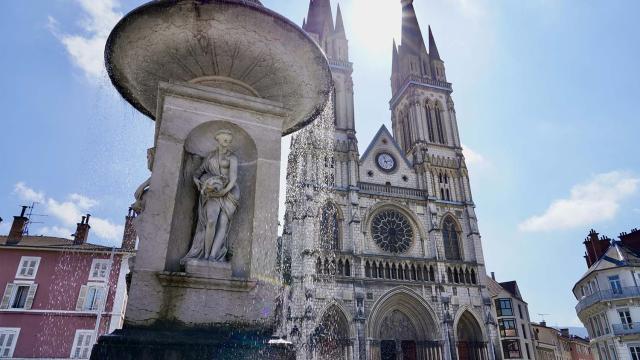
(30, 214)
(542, 316)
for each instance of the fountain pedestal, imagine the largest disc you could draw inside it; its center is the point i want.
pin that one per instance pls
(201, 68)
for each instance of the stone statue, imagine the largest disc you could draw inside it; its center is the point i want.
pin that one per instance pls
(219, 196)
(139, 205)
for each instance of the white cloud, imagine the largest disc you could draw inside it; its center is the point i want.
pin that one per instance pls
(69, 212)
(86, 49)
(590, 202)
(28, 194)
(473, 158)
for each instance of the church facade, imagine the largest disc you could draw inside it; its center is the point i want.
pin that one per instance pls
(389, 264)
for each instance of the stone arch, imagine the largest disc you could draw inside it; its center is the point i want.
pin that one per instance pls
(401, 322)
(470, 335)
(451, 231)
(333, 334)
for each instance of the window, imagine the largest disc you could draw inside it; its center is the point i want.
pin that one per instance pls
(524, 331)
(520, 311)
(330, 228)
(625, 318)
(439, 125)
(450, 239)
(526, 346)
(616, 287)
(18, 296)
(430, 124)
(508, 327)
(511, 349)
(82, 344)
(8, 340)
(503, 307)
(90, 298)
(635, 352)
(28, 267)
(99, 269)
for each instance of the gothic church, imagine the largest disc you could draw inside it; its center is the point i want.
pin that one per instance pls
(390, 265)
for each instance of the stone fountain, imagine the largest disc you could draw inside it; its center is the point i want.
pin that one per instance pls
(224, 80)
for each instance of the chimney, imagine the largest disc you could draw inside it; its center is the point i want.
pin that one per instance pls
(596, 247)
(18, 227)
(543, 323)
(565, 332)
(493, 276)
(82, 231)
(631, 240)
(129, 237)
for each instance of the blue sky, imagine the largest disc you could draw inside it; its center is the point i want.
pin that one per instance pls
(546, 97)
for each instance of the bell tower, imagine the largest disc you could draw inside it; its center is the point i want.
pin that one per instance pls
(333, 40)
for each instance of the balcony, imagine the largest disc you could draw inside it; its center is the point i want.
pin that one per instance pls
(607, 295)
(377, 189)
(626, 329)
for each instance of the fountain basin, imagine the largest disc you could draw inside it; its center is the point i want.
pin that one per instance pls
(234, 45)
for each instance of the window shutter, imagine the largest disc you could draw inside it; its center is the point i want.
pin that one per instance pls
(6, 298)
(81, 298)
(30, 295)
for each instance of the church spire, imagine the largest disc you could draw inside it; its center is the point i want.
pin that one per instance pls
(339, 23)
(395, 65)
(433, 48)
(319, 17)
(411, 33)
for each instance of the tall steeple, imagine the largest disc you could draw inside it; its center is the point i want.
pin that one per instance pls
(411, 33)
(332, 38)
(421, 101)
(319, 18)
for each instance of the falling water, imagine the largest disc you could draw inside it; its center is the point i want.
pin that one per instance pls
(307, 256)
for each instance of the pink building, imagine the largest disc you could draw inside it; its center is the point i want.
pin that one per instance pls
(60, 294)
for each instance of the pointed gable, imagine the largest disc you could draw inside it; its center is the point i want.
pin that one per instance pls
(370, 172)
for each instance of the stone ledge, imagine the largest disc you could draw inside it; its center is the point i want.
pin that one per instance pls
(185, 280)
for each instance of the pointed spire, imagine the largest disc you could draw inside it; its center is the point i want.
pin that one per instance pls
(304, 23)
(433, 49)
(395, 64)
(319, 17)
(339, 23)
(411, 33)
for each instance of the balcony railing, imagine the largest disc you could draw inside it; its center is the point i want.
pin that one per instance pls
(396, 191)
(606, 295)
(626, 329)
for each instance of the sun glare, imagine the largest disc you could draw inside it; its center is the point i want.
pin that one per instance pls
(376, 23)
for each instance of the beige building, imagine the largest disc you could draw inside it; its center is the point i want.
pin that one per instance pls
(511, 314)
(547, 342)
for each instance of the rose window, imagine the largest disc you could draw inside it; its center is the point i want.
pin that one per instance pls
(392, 231)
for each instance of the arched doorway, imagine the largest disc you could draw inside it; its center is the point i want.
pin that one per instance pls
(331, 340)
(401, 326)
(470, 341)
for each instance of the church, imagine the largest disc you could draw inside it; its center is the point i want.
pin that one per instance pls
(388, 264)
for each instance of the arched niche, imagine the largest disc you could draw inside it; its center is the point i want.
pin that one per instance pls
(198, 144)
(331, 338)
(471, 342)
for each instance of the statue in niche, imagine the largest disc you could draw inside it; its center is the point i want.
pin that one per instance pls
(140, 203)
(219, 196)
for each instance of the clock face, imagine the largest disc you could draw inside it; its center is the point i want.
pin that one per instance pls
(386, 162)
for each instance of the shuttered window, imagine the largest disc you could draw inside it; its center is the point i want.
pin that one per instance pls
(28, 267)
(8, 340)
(18, 296)
(82, 344)
(99, 269)
(90, 298)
